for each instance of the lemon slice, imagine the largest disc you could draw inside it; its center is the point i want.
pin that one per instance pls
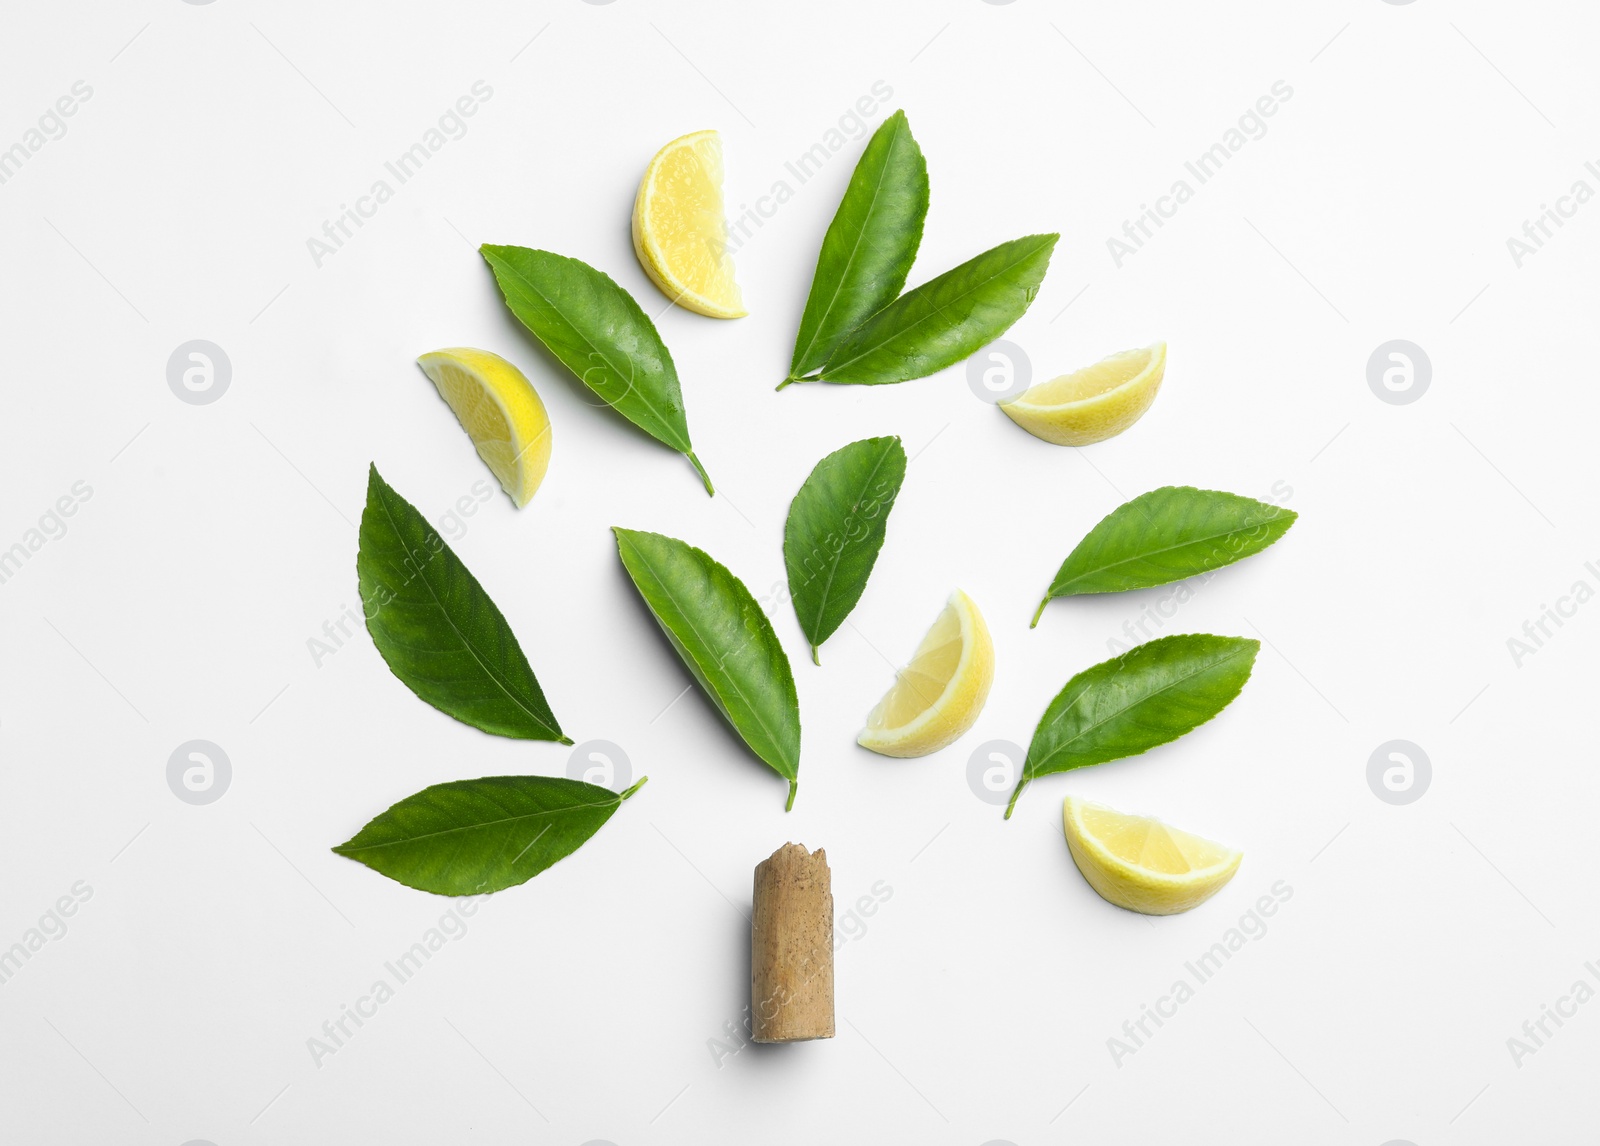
(1142, 864)
(939, 694)
(679, 233)
(1092, 404)
(500, 412)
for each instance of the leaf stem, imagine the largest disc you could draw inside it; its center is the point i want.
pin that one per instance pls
(1021, 784)
(814, 659)
(794, 786)
(630, 791)
(790, 381)
(701, 470)
(563, 740)
(1035, 623)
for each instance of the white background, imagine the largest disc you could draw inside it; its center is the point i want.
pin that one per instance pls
(978, 1002)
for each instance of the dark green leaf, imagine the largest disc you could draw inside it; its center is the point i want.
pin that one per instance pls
(835, 529)
(869, 247)
(725, 639)
(436, 627)
(946, 319)
(1150, 695)
(471, 837)
(599, 333)
(1164, 536)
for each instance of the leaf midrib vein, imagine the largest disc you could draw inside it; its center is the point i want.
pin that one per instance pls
(484, 824)
(1152, 553)
(861, 235)
(605, 357)
(937, 312)
(722, 669)
(466, 643)
(838, 558)
(1145, 698)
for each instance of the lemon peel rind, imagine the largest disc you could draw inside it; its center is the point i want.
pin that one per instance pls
(1044, 421)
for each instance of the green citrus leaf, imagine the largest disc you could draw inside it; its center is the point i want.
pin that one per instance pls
(945, 319)
(1164, 536)
(437, 629)
(1150, 695)
(471, 837)
(869, 247)
(725, 640)
(836, 527)
(598, 332)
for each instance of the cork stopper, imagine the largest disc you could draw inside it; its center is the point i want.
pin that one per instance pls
(791, 947)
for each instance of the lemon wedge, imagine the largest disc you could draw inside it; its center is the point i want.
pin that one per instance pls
(679, 232)
(1092, 404)
(938, 695)
(501, 413)
(1142, 864)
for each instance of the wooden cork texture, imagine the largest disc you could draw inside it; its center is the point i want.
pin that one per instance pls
(791, 947)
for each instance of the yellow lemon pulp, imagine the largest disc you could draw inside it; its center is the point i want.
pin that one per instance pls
(938, 695)
(497, 406)
(679, 232)
(1142, 864)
